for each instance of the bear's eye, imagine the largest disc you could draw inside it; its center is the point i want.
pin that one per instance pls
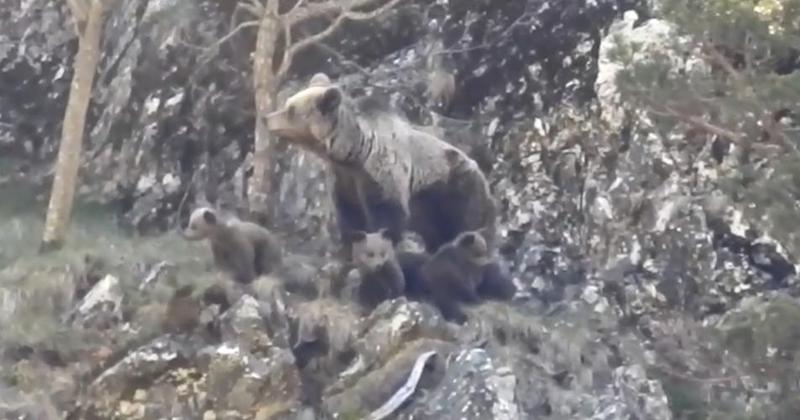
(370, 254)
(291, 111)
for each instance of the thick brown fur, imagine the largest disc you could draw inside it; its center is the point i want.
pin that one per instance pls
(387, 173)
(454, 272)
(462, 271)
(411, 264)
(243, 249)
(381, 276)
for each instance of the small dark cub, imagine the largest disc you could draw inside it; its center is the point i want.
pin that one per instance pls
(375, 259)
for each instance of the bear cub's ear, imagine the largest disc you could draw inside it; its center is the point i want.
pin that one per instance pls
(386, 234)
(210, 217)
(329, 101)
(355, 236)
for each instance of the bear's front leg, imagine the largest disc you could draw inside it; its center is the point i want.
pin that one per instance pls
(237, 262)
(390, 215)
(397, 281)
(386, 198)
(351, 216)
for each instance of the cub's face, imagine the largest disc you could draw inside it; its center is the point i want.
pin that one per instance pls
(308, 118)
(372, 250)
(202, 223)
(474, 247)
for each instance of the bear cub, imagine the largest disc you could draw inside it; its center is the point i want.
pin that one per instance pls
(243, 249)
(375, 260)
(460, 271)
(457, 272)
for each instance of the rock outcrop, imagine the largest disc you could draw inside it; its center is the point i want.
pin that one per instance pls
(646, 292)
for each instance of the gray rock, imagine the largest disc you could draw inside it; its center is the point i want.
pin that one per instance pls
(255, 324)
(102, 305)
(646, 291)
(245, 382)
(634, 396)
(475, 386)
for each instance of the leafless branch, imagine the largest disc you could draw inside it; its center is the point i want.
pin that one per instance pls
(328, 8)
(303, 12)
(231, 34)
(254, 6)
(489, 44)
(296, 7)
(256, 10)
(346, 14)
(246, 7)
(287, 43)
(405, 88)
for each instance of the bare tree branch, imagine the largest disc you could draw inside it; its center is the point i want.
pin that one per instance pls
(315, 10)
(255, 10)
(287, 43)
(303, 12)
(231, 34)
(336, 24)
(405, 88)
(254, 6)
(246, 7)
(296, 7)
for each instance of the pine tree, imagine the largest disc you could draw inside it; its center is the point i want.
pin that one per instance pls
(745, 101)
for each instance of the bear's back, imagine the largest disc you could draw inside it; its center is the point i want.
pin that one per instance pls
(424, 153)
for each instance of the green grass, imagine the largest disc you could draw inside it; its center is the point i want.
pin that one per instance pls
(37, 289)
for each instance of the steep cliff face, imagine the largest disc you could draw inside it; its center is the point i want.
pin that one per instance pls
(172, 114)
(645, 291)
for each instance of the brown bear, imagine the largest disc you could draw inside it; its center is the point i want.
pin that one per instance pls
(387, 173)
(460, 271)
(454, 273)
(245, 250)
(381, 275)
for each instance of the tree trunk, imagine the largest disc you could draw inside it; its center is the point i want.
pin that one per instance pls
(259, 190)
(69, 152)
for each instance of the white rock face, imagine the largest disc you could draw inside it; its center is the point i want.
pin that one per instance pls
(654, 38)
(106, 292)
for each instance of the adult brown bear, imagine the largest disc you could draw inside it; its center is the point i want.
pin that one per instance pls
(387, 173)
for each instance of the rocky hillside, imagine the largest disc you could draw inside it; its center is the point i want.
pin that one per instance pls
(647, 291)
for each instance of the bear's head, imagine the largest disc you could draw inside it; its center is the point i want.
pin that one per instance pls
(202, 224)
(371, 250)
(309, 117)
(473, 247)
